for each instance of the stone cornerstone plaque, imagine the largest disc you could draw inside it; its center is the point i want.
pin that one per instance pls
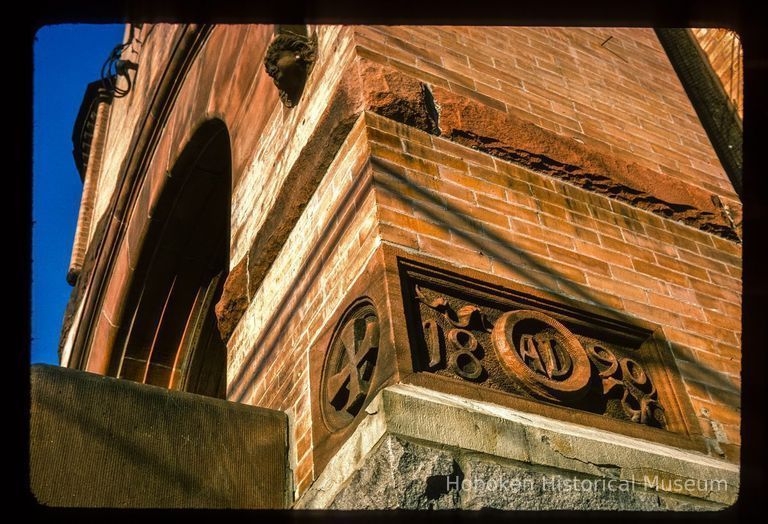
(524, 348)
(415, 320)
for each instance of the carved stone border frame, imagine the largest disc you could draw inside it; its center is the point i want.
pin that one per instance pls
(405, 268)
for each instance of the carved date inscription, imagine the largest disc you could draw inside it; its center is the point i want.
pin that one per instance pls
(530, 353)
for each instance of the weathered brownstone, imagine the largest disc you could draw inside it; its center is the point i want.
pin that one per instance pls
(234, 299)
(396, 96)
(511, 138)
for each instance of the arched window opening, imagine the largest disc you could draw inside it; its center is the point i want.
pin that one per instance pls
(172, 339)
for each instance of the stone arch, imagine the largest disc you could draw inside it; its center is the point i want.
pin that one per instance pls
(207, 95)
(179, 259)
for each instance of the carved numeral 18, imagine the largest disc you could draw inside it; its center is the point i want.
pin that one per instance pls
(463, 360)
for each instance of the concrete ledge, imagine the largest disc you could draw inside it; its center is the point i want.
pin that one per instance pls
(676, 479)
(101, 442)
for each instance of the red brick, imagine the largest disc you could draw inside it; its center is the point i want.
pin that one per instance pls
(606, 255)
(387, 139)
(725, 281)
(735, 272)
(733, 433)
(532, 277)
(682, 293)
(606, 230)
(394, 200)
(719, 362)
(697, 391)
(472, 183)
(695, 372)
(468, 154)
(713, 290)
(509, 180)
(727, 246)
(620, 289)
(708, 330)
(553, 224)
(652, 314)
(659, 272)
(722, 414)
(638, 279)
(415, 225)
(428, 153)
(408, 133)
(519, 198)
(304, 443)
(396, 235)
(457, 251)
(675, 306)
(588, 263)
(473, 213)
(688, 232)
(525, 177)
(458, 191)
(728, 322)
(418, 72)
(702, 262)
(681, 267)
(404, 159)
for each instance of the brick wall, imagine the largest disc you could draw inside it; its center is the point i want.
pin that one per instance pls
(448, 201)
(475, 211)
(723, 48)
(282, 139)
(327, 249)
(609, 87)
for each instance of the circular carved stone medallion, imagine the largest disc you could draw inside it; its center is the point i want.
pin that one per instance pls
(349, 365)
(542, 355)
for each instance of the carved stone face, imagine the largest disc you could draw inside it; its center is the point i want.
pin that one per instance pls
(291, 76)
(288, 61)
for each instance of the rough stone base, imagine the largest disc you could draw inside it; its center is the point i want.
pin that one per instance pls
(405, 474)
(401, 474)
(420, 449)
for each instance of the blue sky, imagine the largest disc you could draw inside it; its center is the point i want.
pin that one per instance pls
(66, 58)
